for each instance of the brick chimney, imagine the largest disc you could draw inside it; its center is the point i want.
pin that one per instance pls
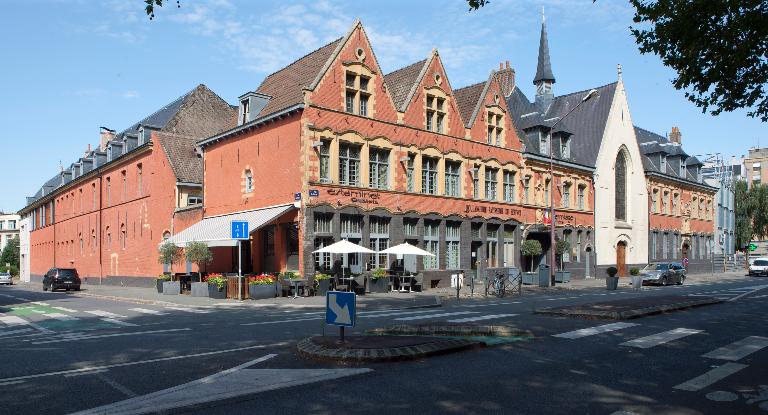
(105, 135)
(675, 136)
(506, 78)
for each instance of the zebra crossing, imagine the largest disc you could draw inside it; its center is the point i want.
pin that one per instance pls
(731, 353)
(730, 293)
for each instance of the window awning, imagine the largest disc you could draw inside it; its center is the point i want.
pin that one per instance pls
(215, 230)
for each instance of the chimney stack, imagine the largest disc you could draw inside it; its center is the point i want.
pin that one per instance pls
(675, 136)
(501, 66)
(506, 78)
(105, 135)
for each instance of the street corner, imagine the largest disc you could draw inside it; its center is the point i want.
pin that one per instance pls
(630, 308)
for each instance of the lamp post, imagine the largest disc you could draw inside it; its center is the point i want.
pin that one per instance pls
(590, 95)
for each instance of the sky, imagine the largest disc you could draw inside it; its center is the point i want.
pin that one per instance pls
(71, 66)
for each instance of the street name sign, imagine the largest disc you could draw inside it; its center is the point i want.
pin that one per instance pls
(239, 229)
(340, 308)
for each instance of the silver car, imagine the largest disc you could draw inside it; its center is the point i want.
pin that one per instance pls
(5, 278)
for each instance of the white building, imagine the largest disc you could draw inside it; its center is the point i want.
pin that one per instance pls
(9, 228)
(24, 250)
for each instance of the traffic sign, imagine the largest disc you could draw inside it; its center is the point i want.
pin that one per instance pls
(297, 196)
(314, 193)
(752, 247)
(239, 229)
(340, 308)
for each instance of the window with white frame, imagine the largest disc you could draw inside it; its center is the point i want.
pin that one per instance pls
(452, 178)
(429, 175)
(357, 92)
(378, 163)
(547, 185)
(476, 182)
(566, 201)
(351, 225)
(323, 260)
(543, 143)
(565, 147)
(509, 186)
(491, 181)
(452, 245)
(431, 243)
(580, 196)
(379, 240)
(410, 227)
(349, 164)
(323, 222)
(526, 189)
(435, 114)
(325, 161)
(495, 124)
(248, 181)
(409, 182)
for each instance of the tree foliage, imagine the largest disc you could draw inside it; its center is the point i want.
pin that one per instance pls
(719, 49)
(531, 248)
(10, 255)
(169, 253)
(151, 4)
(199, 253)
(742, 210)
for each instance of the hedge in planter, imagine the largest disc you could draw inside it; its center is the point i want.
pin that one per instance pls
(160, 280)
(322, 284)
(379, 283)
(217, 286)
(261, 287)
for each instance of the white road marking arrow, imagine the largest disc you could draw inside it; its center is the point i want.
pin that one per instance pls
(342, 313)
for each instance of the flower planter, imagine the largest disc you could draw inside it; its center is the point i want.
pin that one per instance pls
(611, 283)
(171, 288)
(260, 292)
(563, 276)
(322, 287)
(199, 289)
(214, 292)
(530, 278)
(637, 281)
(379, 285)
(159, 286)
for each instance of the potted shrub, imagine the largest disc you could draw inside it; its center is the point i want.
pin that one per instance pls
(170, 254)
(160, 280)
(217, 286)
(561, 247)
(379, 283)
(200, 254)
(637, 279)
(612, 281)
(261, 287)
(322, 284)
(530, 248)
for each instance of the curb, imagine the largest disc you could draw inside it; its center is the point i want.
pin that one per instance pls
(630, 314)
(129, 300)
(309, 349)
(451, 330)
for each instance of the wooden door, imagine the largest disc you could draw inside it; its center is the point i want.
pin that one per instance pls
(621, 254)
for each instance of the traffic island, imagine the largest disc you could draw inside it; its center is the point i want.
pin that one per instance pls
(630, 308)
(383, 348)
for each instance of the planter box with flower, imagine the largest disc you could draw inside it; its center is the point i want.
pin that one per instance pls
(322, 284)
(261, 287)
(160, 280)
(530, 248)
(217, 286)
(611, 281)
(378, 283)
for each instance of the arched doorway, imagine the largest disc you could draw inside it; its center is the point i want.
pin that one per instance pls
(621, 258)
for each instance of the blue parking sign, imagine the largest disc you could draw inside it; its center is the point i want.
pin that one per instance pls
(340, 309)
(239, 229)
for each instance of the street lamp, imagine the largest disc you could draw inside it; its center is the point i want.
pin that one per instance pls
(590, 95)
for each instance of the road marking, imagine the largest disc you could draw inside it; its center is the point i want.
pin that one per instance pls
(13, 320)
(394, 313)
(60, 316)
(65, 309)
(119, 322)
(6, 295)
(188, 310)
(760, 296)
(756, 289)
(102, 336)
(39, 303)
(280, 321)
(487, 317)
(660, 338)
(91, 372)
(428, 316)
(738, 349)
(148, 311)
(141, 362)
(714, 375)
(591, 331)
(107, 314)
(11, 383)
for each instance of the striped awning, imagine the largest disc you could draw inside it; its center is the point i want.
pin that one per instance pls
(215, 230)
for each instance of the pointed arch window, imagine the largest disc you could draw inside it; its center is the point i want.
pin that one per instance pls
(621, 187)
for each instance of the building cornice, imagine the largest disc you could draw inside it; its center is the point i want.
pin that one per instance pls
(701, 186)
(250, 125)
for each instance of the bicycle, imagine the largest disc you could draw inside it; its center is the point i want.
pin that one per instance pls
(499, 285)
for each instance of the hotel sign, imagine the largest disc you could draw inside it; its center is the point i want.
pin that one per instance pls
(493, 210)
(357, 196)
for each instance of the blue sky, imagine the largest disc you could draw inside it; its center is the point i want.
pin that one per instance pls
(71, 66)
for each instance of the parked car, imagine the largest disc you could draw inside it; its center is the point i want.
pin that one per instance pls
(663, 273)
(5, 278)
(759, 267)
(61, 278)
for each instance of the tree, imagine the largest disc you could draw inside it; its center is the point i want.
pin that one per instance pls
(198, 253)
(10, 255)
(531, 248)
(150, 6)
(743, 231)
(561, 247)
(169, 254)
(718, 49)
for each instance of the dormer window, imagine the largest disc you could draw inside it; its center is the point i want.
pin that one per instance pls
(357, 96)
(245, 110)
(142, 139)
(663, 164)
(682, 168)
(109, 153)
(565, 148)
(543, 143)
(435, 113)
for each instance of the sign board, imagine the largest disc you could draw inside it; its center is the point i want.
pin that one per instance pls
(340, 308)
(314, 193)
(297, 196)
(239, 229)
(752, 247)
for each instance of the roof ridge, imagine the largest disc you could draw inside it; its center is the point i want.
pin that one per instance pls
(406, 67)
(469, 86)
(586, 90)
(160, 109)
(295, 61)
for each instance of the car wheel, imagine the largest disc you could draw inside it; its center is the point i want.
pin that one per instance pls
(77, 288)
(45, 287)
(664, 281)
(682, 280)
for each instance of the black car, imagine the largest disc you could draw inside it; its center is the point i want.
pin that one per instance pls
(663, 273)
(61, 278)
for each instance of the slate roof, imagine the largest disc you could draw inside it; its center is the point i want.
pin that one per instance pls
(652, 143)
(285, 86)
(180, 150)
(467, 98)
(544, 66)
(400, 82)
(586, 124)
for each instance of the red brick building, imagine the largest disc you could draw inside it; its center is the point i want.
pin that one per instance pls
(106, 212)
(339, 150)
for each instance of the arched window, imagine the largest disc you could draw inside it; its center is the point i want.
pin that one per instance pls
(248, 181)
(621, 187)
(123, 236)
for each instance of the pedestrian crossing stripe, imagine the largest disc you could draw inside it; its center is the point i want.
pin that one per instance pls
(148, 311)
(119, 322)
(480, 318)
(60, 316)
(189, 310)
(660, 338)
(107, 314)
(430, 316)
(591, 331)
(739, 349)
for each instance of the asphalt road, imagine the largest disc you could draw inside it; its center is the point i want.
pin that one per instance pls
(62, 353)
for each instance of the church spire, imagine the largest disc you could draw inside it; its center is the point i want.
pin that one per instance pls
(544, 77)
